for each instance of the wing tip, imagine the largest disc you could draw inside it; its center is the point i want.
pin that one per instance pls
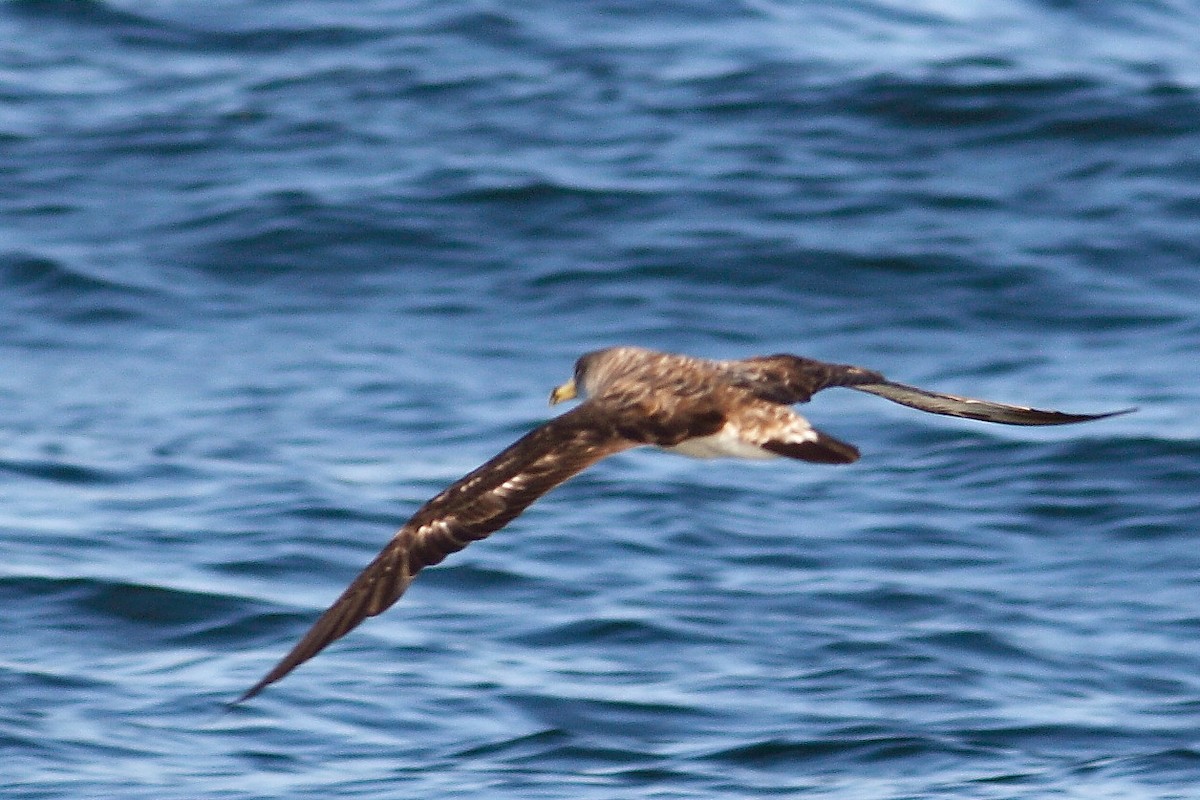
(1118, 413)
(973, 408)
(255, 690)
(1039, 417)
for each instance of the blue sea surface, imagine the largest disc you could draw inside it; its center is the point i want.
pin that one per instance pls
(272, 274)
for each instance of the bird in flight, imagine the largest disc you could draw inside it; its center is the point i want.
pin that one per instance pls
(633, 398)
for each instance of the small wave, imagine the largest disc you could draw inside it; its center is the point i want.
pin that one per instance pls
(522, 746)
(60, 471)
(1022, 108)
(36, 273)
(1065, 738)
(788, 753)
(59, 290)
(133, 28)
(131, 611)
(604, 632)
(89, 12)
(611, 718)
(976, 643)
(283, 233)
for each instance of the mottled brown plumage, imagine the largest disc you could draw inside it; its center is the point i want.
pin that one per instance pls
(635, 397)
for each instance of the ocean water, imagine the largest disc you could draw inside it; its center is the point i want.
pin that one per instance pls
(274, 273)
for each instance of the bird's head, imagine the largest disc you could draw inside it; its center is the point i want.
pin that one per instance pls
(594, 370)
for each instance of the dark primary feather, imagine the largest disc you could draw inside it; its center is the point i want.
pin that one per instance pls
(969, 408)
(478, 504)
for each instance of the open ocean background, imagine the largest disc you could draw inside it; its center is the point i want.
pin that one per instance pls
(274, 273)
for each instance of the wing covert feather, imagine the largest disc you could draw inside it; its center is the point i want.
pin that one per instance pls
(788, 379)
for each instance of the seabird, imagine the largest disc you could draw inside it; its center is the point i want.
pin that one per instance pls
(634, 398)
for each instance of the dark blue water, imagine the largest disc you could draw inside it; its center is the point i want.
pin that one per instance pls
(273, 274)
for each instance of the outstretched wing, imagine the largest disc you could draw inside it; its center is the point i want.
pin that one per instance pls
(970, 408)
(478, 504)
(792, 379)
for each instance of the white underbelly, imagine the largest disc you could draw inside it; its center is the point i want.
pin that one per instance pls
(725, 443)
